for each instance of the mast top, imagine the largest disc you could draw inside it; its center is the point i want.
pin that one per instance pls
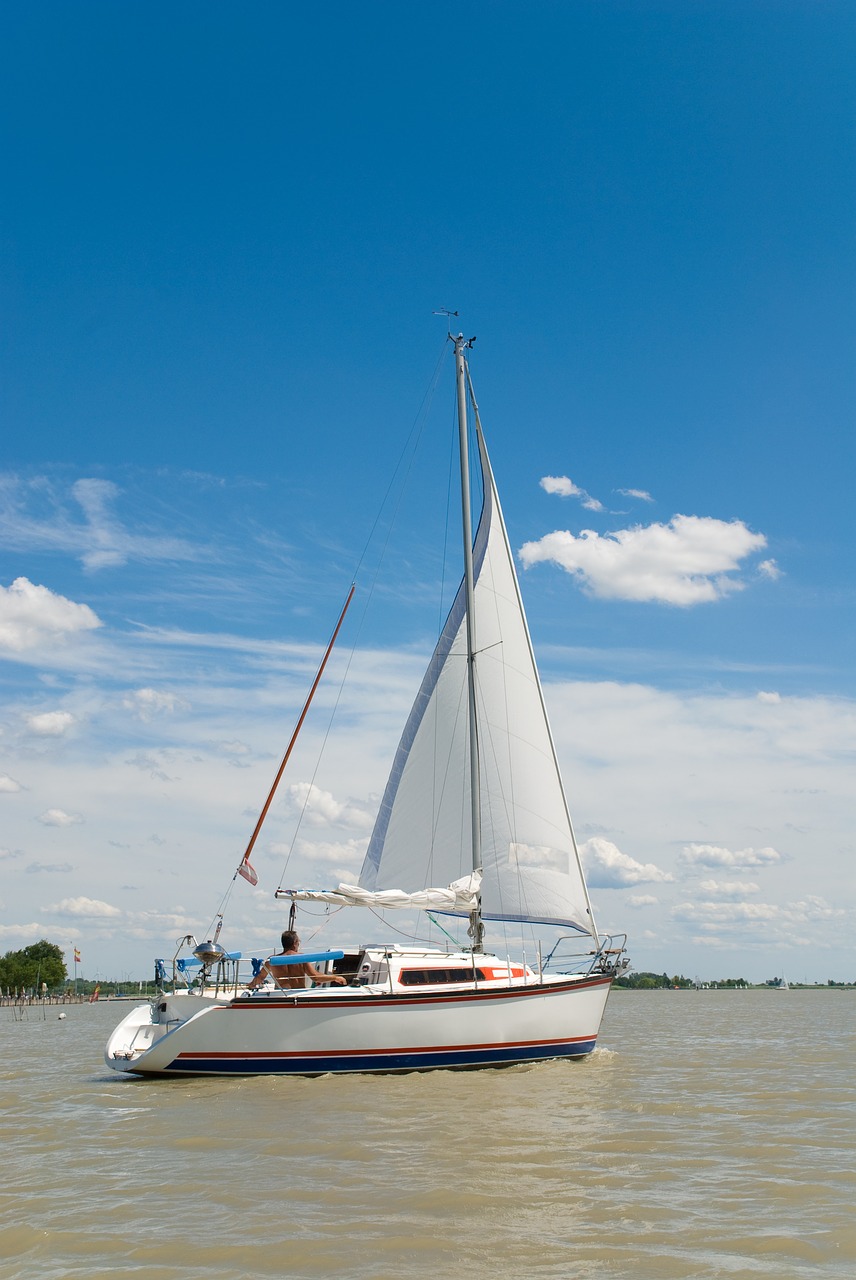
(461, 343)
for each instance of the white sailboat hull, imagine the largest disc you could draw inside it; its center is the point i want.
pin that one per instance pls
(362, 1030)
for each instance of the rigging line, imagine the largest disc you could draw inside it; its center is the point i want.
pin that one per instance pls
(419, 422)
(435, 753)
(413, 936)
(437, 925)
(421, 413)
(508, 801)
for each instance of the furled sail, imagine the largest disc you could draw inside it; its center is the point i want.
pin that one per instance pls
(422, 836)
(461, 897)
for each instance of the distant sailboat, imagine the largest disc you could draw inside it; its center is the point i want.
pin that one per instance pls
(474, 823)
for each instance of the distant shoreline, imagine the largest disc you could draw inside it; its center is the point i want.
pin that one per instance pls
(761, 986)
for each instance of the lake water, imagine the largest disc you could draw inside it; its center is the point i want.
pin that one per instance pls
(713, 1134)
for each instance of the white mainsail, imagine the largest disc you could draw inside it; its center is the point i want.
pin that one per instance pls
(422, 837)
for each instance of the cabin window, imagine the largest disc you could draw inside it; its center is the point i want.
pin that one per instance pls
(426, 977)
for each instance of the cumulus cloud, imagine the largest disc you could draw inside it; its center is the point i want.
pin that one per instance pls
(8, 786)
(50, 724)
(685, 562)
(769, 569)
(642, 900)
(772, 698)
(147, 703)
(565, 488)
(608, 868)
(22, 932)
(561, 485)
(320, 807)
(712, 855)
(59, 818)
(90, 908)
(32, 616)
(50, 868)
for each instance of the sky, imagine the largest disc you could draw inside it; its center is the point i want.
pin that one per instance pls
(225, 231)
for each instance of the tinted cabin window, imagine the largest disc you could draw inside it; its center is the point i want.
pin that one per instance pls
(425, 977)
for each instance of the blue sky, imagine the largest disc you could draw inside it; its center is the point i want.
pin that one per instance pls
(224, 234)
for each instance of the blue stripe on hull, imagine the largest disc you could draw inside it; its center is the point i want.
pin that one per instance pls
(421, 1060)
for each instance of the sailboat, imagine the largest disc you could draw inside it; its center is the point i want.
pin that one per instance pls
(473, 823)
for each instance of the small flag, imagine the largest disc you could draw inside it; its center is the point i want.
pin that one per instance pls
(76, 956)
(248, 872)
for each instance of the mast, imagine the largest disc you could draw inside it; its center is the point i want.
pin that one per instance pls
(476, 929)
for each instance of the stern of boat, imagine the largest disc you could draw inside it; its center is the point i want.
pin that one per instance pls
(133, 1037)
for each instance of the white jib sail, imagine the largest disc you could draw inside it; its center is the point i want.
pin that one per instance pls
(422, 836)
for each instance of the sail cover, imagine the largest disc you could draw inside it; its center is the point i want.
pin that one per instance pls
(422, 836)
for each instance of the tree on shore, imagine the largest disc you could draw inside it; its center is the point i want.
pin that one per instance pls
(652, 981)
(29, 968)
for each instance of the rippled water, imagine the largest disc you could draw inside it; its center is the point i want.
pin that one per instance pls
(711, 1135)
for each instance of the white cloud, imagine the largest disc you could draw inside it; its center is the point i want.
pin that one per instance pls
(813, 908)
(641, 494)
(728, 888)
(772, 698)
(8, 786)
(50, 724)
(32, 616)
(106, 536)
(565, 488)
(724, 916)
(608, 868)
(320, 807)
(147, 703)
(685, 562)
(713, 915)
(561, 485)
(6, 855)
(770, 569)
(348, 854)
(87, 908)
(100, 540)
(642, 900)
(59, 818)
(712, 855)
(24, 933)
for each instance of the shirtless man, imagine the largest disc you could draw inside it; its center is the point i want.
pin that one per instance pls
(293, 975)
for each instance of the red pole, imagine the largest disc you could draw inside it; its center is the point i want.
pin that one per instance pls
(245, 860)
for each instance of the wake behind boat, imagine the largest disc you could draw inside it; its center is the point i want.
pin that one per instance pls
(473, 823)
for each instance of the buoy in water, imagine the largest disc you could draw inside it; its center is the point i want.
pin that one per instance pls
(60, 1017)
